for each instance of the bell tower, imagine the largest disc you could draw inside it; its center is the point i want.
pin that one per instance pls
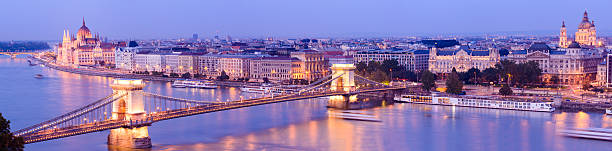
(563, 36)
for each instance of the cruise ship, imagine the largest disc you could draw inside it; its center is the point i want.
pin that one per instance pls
(194, 84)
(477, 101)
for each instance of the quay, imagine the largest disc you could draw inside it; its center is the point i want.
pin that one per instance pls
(124, 75)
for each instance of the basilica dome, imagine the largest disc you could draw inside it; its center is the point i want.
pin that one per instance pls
(585, 24)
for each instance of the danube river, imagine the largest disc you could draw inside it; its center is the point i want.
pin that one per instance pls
(299, 125)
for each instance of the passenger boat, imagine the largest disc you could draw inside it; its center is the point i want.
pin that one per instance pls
(589, 133)
(179, 84)
(255, 89)
(194, 84)
(352, 115)
(609, 111)
(38, 76)
(477, 101)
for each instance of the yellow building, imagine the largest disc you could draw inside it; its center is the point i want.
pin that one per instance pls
(84, 49)
(586, 34)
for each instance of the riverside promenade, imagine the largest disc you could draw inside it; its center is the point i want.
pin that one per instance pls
(116, 74)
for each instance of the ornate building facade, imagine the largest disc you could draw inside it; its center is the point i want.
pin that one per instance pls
(572, 65)
(84, 49)
(462, 59)
(585, 36)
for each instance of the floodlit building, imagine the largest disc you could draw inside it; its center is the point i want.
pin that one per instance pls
(573, 65)
(313, 65)
(208, 65)
(462, 58)
(275, 69)
(84, 49)
(235, 66)
(149, 62)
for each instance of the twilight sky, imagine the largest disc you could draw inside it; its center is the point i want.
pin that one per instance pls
(147, 19)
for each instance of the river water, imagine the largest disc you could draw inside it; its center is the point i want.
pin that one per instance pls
(298, 125)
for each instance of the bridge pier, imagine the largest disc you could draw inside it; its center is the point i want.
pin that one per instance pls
(130, 108)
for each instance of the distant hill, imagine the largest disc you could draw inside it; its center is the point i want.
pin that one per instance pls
(24, 45)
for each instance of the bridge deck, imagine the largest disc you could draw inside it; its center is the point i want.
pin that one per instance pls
(176, 113)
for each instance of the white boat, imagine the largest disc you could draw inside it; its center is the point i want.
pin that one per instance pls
(179, 84)
(206, 85)
(589, 133)
(255, 89)
(194, 84)
(609, 111)
(477, 101)
(349, 115)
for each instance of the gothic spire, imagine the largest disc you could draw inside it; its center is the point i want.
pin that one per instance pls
(83, 20)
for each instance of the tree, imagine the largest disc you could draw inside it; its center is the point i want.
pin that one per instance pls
(428, 80)
(505, 90)
(379, 76)
(266, 80)
(7, 140)
(223, 76)
(472, 75)
(186, 75)
(490, 75)
(174, 75)
(453, 84)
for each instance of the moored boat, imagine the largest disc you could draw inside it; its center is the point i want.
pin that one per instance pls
(194, 84)
(477, 101)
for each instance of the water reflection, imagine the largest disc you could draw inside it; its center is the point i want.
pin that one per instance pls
(299, 125)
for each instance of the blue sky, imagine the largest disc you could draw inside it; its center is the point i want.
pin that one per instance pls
(146, 19)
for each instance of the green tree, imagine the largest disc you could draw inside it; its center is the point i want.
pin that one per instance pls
(490, 75)
(453, 84)
(8, 142)
(186, 75)
(223, 76)
(505, 90)
(472, 75)
(174, 75)
(379, 76)
(527, 73)
(266, 80)
(428, 80)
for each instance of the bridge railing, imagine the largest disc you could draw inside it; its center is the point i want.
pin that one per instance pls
(67, 119)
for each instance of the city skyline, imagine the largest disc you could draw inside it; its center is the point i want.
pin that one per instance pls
(317, 19)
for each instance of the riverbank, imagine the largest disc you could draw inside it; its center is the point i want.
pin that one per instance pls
(94, 72)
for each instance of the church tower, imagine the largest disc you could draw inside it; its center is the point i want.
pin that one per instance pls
(563, 36)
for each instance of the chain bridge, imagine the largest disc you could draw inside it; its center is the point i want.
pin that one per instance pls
(128, 111)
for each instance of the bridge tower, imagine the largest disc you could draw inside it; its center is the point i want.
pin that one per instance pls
(344, 75)
(129, 108)
(344, 80)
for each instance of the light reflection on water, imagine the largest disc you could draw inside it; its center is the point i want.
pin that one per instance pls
(300, 125)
